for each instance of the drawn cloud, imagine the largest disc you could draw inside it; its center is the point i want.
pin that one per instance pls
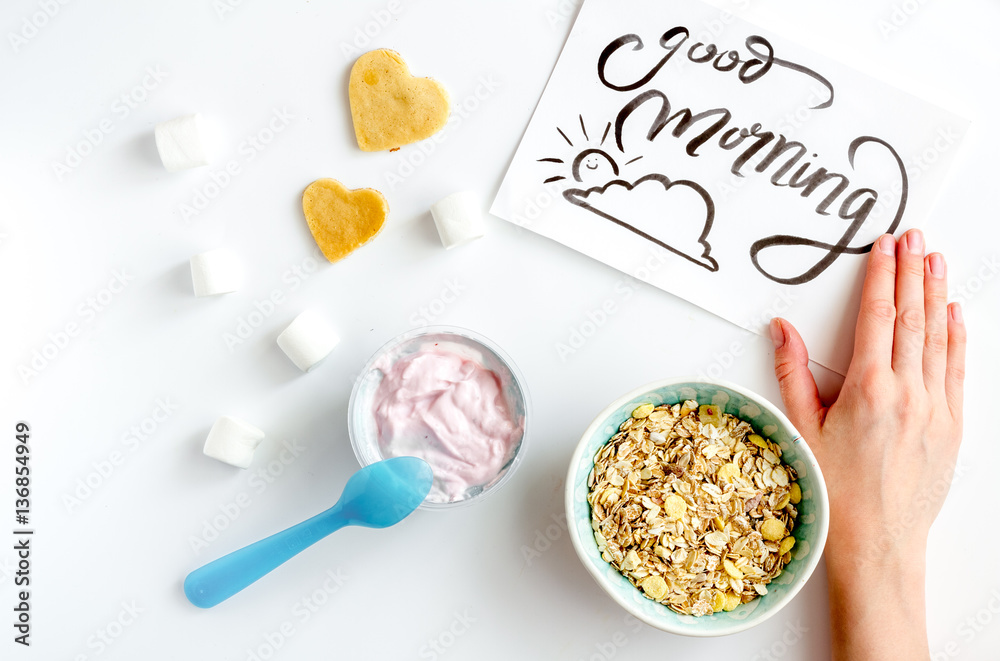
(676, 215)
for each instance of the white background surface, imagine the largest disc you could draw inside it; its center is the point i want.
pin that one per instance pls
(130, 539)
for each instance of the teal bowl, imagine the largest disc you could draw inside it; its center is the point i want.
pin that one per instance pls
(810, 532)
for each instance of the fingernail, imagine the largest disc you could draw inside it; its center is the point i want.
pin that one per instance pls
(887, 244)
(915, 241)
(956, 313)
(777, 335)
(936, 264)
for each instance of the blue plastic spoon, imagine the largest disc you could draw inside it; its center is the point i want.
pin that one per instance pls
(377, 496)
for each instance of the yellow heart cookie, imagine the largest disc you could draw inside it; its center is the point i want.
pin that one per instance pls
(390, 107)
(342, 220)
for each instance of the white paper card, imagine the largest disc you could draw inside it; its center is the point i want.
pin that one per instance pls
(728, 166)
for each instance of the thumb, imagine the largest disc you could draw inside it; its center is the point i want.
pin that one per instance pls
(798, 387)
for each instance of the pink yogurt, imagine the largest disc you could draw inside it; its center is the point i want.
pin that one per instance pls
(449, 410)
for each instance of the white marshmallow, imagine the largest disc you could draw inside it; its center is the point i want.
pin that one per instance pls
(233, 441)
(458, 219)
(215, 272)
(181, 143)
(308, 340)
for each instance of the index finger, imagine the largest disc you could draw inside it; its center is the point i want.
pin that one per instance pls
(877, 315)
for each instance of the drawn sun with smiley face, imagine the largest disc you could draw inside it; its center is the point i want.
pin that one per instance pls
(592, 164)
(674, 214)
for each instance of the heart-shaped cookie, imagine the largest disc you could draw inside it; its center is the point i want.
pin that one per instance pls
(342, 220)
(390, 107)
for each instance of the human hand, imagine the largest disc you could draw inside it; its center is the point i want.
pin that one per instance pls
(888, 444)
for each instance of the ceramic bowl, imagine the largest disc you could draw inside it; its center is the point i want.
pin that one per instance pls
(810, 530)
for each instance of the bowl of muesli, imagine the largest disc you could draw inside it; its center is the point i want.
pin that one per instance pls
(696, 506)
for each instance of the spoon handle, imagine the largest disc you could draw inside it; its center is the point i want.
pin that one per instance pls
(220, 579)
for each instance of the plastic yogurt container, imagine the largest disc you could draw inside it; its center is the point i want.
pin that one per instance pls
(450, 396)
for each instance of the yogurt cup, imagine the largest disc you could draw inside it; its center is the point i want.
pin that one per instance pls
(362, 425)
